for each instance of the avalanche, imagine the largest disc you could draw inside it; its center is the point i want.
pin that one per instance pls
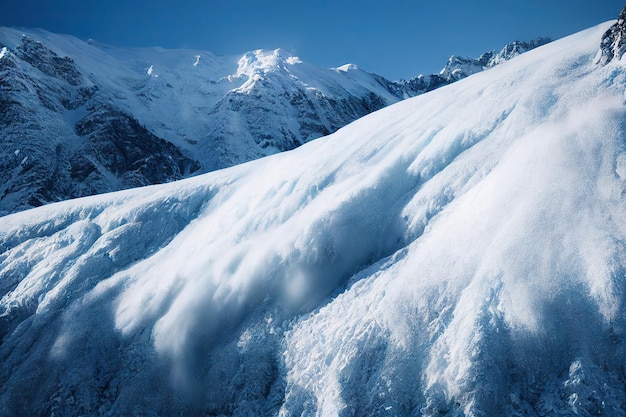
(461, 253)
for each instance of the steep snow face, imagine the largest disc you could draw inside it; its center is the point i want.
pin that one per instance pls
(458, 253)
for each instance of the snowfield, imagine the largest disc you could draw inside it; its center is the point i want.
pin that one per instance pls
(461, 253)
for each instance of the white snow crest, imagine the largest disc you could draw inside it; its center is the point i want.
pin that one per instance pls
(262, 61)
(347, 67)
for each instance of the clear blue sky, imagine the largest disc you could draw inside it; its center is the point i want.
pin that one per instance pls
(394, 38)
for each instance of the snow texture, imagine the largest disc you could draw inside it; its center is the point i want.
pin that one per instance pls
(460, 253)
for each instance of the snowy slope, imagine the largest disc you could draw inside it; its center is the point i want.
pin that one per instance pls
(460, 253)
(81, 118)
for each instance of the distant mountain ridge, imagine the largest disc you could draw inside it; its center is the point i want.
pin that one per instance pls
(458, 67)
(81, 118)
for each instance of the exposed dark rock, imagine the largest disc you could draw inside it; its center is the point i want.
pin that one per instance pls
(613, 43)
(48, 62)
(116, 144)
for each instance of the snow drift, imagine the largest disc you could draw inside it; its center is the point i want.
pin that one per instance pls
(461, 253)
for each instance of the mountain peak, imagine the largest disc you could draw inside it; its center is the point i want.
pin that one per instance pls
(347, 67)
(459, 67)
(262, 61)
(515, 48)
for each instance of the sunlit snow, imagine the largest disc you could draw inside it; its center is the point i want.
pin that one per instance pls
(347, 67)
(460, 253)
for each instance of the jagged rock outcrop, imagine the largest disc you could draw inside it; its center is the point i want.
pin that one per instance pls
(48, 62)
(115, 144)
(459, 67)
(513, 49)
(613, 43)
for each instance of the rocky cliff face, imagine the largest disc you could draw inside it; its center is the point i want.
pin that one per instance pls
(62, 138)
(80, 118)
(613, 42)
(113, 144)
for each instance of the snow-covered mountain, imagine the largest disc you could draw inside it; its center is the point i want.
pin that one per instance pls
(458, 67)
(80, 118)
(460, 253)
